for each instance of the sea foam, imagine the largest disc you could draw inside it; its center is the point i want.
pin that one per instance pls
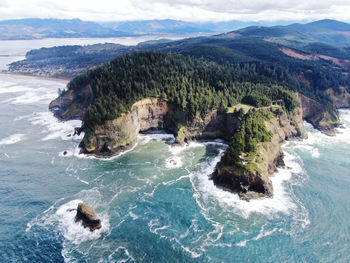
(32, 96)
(54, 128)
(75, 232)
(4, 89)
(15, 138)
(281, 201)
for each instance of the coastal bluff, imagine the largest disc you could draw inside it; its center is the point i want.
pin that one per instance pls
(118, 135)
(251, 179)
(195, 100)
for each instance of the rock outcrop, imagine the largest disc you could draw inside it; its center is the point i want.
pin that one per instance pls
(71, 104)
(340, 98)
(251, 180)
(120, 134)
(322, 118)
(88, 216)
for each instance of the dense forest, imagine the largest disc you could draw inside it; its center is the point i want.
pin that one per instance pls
(310, 77)
(194, 85)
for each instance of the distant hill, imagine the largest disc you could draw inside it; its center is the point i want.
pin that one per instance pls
(331, 25)
(35, 28)
(326, 31)
(285, 32)
(167, 26)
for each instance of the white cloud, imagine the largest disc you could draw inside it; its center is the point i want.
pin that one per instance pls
(190, 10)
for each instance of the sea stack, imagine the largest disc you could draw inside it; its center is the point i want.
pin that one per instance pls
(88, 216)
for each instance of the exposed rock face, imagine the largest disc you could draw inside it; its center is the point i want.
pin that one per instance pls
(284, 127)
(319, 116)
(72, 105)
(248, 184)
(88, 216)
(255, 183)
(340, 99)
(214, 124)
(120, 134)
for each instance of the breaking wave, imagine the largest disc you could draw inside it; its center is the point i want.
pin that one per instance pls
(15, 138)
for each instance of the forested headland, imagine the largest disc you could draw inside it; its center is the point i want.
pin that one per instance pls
(194, 85)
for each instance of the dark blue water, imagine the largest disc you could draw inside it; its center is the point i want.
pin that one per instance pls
(155, 201)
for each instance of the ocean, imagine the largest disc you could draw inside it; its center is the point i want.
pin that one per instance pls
(156, 201)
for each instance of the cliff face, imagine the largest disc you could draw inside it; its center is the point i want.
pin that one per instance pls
(319, 115)
(214, 124)
(340, 99)
(251, 179)
(120, 134)
(72, 104)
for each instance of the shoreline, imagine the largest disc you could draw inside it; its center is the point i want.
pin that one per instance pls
(9, 73)
(173, 145)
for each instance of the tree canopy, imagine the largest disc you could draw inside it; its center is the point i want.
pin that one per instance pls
(194, 85)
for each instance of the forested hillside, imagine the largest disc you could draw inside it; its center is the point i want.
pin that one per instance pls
(194, 85)
(310, 69)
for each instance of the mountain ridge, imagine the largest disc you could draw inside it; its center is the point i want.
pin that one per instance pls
(36, 28)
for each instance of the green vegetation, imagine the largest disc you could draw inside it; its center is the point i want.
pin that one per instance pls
(194, 85)
(68, 61)
(311, 78)
(238, 107)
(251, 51)
(180, 133)
(251, 132)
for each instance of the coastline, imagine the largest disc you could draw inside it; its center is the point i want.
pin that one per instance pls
(120, 194)
(130, 147)
(9, 73)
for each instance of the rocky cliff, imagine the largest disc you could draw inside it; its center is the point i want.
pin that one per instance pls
(322, 117)
(72, 104)
(340, 98)
(251, 179)
(120, 134)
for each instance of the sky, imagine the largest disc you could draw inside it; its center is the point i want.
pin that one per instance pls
(188, 10)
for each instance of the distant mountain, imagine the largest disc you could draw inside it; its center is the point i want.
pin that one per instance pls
(35, 28)
(331, 25)
(169, 26)
(327, 31)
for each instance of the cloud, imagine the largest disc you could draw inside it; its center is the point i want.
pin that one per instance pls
(189, 10)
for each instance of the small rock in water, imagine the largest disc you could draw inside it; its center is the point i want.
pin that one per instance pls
(77, 131)
(88, 216)
(65, 153)
(69, 135)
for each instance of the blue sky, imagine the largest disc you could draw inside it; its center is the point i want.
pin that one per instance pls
(188, 10)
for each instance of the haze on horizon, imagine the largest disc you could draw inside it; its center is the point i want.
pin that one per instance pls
(187, 10)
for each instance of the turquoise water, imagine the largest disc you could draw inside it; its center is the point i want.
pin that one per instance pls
(155, 201)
